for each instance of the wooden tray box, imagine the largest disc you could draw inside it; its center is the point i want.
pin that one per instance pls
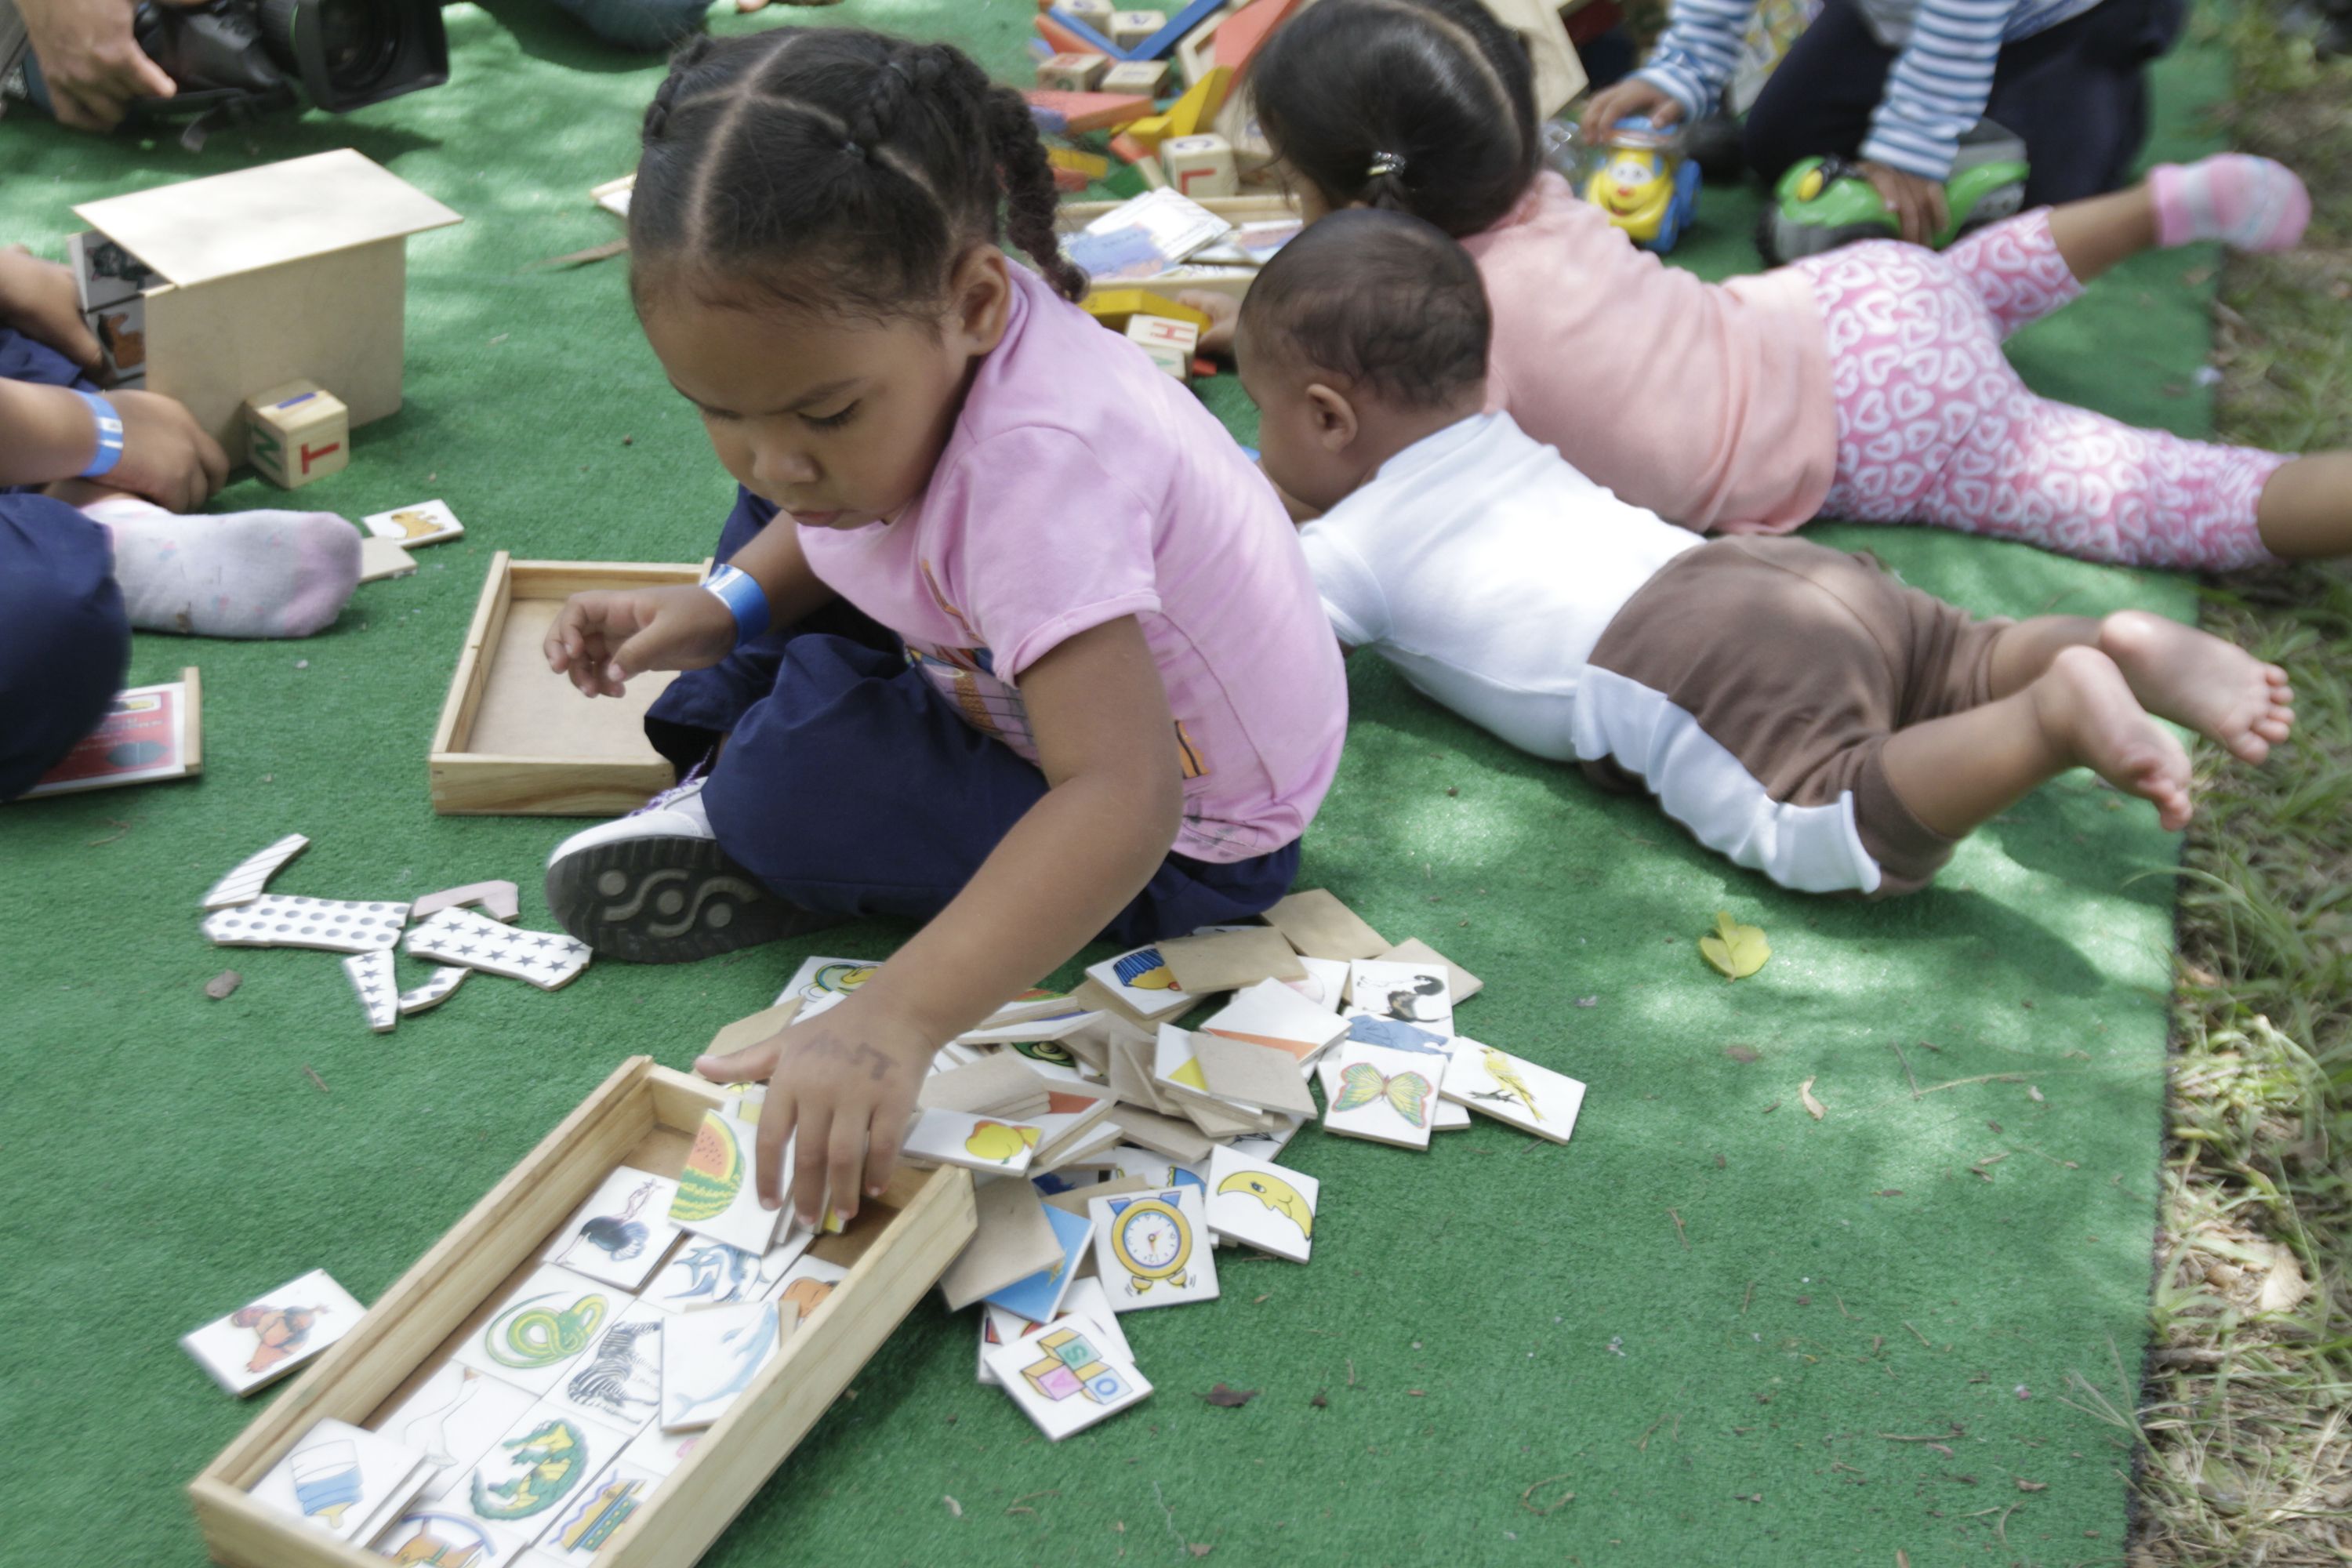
(644, 1116)
(515, 739)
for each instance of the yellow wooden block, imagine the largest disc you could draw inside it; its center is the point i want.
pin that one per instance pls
(1114, 307)
(297, 433)
(1093, 165)
(1187, 115)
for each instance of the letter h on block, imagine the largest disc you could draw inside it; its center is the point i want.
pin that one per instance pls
(1170, 344)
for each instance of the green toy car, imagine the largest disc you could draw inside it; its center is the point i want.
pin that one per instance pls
(1824, 203)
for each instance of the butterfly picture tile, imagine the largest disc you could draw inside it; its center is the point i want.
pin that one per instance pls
(987, 1144)
(452, 1419)
(1383, 1095)
(1408, 993)
(589, 1521)
(264, 1339)
(1154, 1249)
(342, 1479)
(1038, 1298)
(244, 883)
(535, 1335)
(1261, 1205)
(536, 1470)
(330, 925)
(717, 1196)
(621, 1233)
(548, 959)
(1064, 1381)
(709, 1358)
(433, 990)
(370, 973)
(618, 1382)
(1141, 980)
(1512, 1089)
(426, 523)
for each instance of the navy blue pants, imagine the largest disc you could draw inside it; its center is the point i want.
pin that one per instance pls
(849, 786)
(64, 639)
(2076, 94)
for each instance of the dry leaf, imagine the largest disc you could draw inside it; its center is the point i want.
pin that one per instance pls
(220, 985)
(1737, 950)
(1201, 1548)
(1742, 1053)
(1321, 1400)
(2284, 1288)
(955, 1509)
(1230, 1399)
(2025, 1486)
(1812, 1106)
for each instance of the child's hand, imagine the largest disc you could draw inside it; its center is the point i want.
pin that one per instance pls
(600, 639)
(167, 456)
(840, 1089)
(1918, 204)
(39, 299)
(1625, 100)
(1223, 313)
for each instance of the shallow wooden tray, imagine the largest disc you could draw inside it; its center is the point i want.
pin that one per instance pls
(644, 1116)
(515, 739)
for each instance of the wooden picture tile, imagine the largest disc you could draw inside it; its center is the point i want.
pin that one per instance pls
(621, 1233)
(244, 883)
(708, 1359)
(586, 1523)
(343, 1479)
(985, 1143)
(618, 1382)
(1152, 1249)
(1261, 1205)
(1229, 960)
(536, 1334)
(452, 1419)
(1141, 982)
(1407, 993)
(542, 1465)
(424, 522)
(1263, 1076)
(1319, 926)
(1460, 982)
(1064, 1381)
(370, 973)
(1014, 1240)
(548, 960)
(1514, 1090)
(717, 1196)
(1380, 1094)
(1038, 1296)
(329, 925)
(1272, 1013)
(264, 1339)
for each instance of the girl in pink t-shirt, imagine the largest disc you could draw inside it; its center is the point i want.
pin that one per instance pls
(1011, 637)
(1868, 383)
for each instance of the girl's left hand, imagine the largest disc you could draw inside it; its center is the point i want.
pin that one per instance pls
(840, 1089)
(39, 299)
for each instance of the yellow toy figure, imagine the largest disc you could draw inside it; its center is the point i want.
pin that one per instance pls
(1640, 179)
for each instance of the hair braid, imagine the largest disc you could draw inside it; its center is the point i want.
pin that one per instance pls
(681, 66)
(1031, 198)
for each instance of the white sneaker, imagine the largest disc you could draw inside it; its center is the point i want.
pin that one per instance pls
(654, 887)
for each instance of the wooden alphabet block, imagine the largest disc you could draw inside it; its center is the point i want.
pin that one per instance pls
(297, 433)
(1128, 29)
(1148, 78)
(1094, 13)
(1072, 72)
(1170, 343)
(1201, 165)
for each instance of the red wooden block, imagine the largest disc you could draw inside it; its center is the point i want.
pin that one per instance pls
(1129, 148)
(1065, 41)
(1239, 35)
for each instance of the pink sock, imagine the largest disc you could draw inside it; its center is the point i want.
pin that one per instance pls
(2248, 203)
(233, 574)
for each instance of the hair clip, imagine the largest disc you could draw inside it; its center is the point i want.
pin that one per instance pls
(1385, 164)
(852, 148)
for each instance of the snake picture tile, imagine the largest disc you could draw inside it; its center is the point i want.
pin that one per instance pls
(537, 1332)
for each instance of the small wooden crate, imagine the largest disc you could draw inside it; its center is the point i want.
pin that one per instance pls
(515, 738)
(644, 1116)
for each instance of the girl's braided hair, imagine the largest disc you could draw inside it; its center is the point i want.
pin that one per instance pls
(836, 166)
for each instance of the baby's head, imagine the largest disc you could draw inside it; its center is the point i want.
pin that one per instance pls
(813, 242)
(1365, 333)
(1419, 106)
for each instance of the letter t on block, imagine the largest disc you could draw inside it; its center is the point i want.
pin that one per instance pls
(297, 433)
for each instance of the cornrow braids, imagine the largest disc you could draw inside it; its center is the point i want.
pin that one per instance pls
(834, 167)
(1424, 107)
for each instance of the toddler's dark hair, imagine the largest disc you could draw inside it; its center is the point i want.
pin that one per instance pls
(1423, 106)
(1380, 298)
(836, 167)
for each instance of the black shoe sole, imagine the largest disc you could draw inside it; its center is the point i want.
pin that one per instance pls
(668, 900)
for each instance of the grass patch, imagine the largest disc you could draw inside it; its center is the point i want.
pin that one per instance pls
(2247, 1404)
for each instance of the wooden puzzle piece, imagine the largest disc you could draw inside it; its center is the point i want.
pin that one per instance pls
(1038, 1296)
(1151, 1249)
(1265, 1078)
(709, 1358)
(382, 558)
(1378, 1094)
(1460, 984)
(426, 523)
(1319, 925)
(1141, 980)
(590, 1520)
(657, 1452)
(252, 874)
(1261, 1205)
(329, 925)
(498, 899)
(538, 1469)
(618, 1382)
(1415, 993)
(432, 1531)
(1002, 1085)
(1511, 1088)
(717, 1196)
(985, 1143)
(1273, 1013)
(270, 1336)
(370, 973)
(548, 959)
(1066, 1379)
(343, 1479)
(1013, 1240)
(621, 1233)
(434, 990)
(532, 1338)
(452, 1419)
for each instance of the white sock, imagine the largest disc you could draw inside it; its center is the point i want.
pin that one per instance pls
(237, 574)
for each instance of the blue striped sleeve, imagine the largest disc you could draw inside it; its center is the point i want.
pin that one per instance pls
(1938, 85)
(1699, 52)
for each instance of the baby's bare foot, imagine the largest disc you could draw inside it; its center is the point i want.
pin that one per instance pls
(2217, 690)
(2088, 710)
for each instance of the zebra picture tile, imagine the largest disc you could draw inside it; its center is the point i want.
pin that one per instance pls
(618, 1382)
(251, 875)
(436, 990)
(545, 959)
(330, 925)
(370, 976)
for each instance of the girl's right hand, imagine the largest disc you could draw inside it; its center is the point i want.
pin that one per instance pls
(1622, 100)
(167, 456)
(600, 639)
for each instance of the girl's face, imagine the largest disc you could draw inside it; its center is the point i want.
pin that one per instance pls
(838, 422)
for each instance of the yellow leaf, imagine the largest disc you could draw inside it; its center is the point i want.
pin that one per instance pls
(1737, 950)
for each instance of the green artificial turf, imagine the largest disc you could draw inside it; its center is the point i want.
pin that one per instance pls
(1483, 1329)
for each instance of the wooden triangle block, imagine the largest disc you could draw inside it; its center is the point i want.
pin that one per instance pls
(1239, 35)
(1090, 110)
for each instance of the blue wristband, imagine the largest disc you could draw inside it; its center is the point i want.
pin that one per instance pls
(110, 435)
(744, 598)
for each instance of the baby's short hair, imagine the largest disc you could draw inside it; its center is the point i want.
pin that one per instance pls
(1383, 299)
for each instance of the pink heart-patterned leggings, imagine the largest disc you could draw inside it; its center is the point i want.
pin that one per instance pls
(1934, 425)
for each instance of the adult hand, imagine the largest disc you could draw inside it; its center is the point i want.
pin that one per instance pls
(600, 639)
(91, 64)
(1918, 204)
(39, 299)
(166, 455)
(840, 1089)
(1622, 100)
